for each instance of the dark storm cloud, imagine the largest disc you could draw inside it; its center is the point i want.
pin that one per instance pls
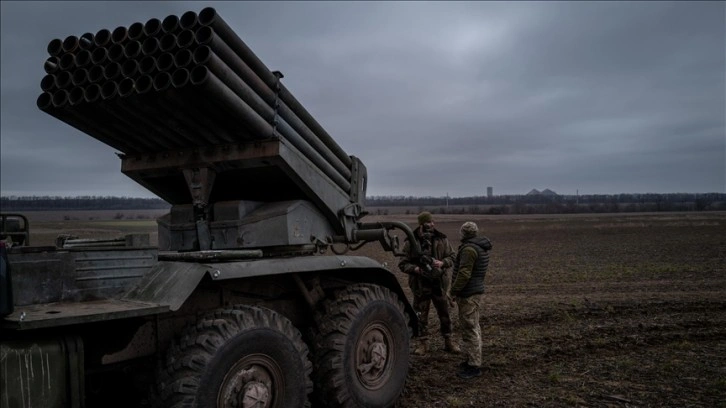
(435, 98)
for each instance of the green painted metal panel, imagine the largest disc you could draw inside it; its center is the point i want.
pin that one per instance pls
(41, 373)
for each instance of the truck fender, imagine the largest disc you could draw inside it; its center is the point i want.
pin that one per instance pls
(168, 283)
(171, 283)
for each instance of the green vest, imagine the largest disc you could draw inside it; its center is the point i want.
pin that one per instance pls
(476, 281)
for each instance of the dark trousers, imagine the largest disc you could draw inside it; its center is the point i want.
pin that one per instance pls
(422, 304)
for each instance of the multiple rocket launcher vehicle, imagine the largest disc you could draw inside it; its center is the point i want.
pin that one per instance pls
(242, 299)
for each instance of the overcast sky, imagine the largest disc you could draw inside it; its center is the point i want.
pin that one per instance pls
(435, 98)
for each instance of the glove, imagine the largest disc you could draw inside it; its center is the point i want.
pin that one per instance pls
(432, 273)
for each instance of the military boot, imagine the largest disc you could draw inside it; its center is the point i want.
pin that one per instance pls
(451, 346)
(422, 348)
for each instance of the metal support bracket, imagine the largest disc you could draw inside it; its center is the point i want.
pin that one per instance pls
(278, 75)
(200, 182)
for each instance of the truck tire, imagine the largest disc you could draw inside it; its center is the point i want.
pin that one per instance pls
(361, 348)
(246, 356)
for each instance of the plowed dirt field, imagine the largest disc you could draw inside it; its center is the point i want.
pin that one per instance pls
(604, 310)
(590, 311)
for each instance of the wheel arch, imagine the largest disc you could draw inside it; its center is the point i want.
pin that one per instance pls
(172, 283)
(377, 276)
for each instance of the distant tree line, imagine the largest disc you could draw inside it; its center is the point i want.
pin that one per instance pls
(556, 204)
(52, 203)
(501, 204)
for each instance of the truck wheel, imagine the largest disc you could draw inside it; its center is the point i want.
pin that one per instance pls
(361, 348)
(242, 357)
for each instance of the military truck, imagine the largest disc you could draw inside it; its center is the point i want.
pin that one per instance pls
(250, 298)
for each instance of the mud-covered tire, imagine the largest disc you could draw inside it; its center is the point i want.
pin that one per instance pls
(361, 354)
(246, 353)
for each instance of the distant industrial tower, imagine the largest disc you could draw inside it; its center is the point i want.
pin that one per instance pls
(490, 191)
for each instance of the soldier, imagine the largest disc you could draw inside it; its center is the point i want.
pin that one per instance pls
(429, 277)
(467, 290)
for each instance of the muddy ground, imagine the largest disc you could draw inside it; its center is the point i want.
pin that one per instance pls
(607, 310)
(591, 311)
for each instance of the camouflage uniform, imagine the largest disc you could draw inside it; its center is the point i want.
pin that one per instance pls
(470, 329)
(427, 291)
(467, 288)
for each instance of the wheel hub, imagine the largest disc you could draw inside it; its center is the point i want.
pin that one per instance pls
(254, 382)
(256, 394)
(373, 355)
